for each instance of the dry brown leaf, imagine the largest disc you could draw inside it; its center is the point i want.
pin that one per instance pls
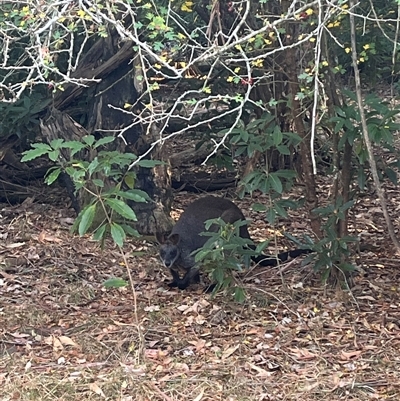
(67, 341)
(302, 353)
(350, 355)
(96, 389)
(229, 351)
(57, 345)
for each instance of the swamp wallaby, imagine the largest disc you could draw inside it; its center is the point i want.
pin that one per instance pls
(176, 249)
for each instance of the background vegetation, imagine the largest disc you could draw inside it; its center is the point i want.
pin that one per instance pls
(264, 94)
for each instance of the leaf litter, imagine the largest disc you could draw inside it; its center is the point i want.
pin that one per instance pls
(64, 336)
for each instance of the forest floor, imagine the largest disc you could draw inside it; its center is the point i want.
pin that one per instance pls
(64, 336)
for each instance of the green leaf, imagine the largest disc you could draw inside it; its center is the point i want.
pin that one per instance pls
(218, 275)
(53, 155)
(115, 283)
(56, 143)
(99, 183)
(135, 195)
(121, 208)
(118, 234)
(283, 149)
(258, 207)
(240, 294)
(201, 254)
(74, 146)
(361, 178)
(130, 179)
(52, 176)
(93, 165)
(86, 219)
(347, 267)
(275, 183)
(100, 232)
(130, 230)
(88, 139)
(277, 136)
(280, 210)
(271, 216)
(41, 145)
(34, 153)
(261, 246)
(104, 141)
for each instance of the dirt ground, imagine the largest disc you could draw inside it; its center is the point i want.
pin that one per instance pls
(64, 336)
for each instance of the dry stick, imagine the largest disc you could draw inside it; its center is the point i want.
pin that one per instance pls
(365, 132)
(135, 305)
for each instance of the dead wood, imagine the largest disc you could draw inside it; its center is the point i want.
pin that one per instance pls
(191, 155)
(203, 182)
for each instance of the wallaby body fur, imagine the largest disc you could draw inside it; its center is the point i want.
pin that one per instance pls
(176, 249)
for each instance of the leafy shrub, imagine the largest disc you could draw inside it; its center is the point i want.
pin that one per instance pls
(90, 176)
(224, 254)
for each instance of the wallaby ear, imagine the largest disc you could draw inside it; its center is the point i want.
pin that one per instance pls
(174, 238)
(161, 238)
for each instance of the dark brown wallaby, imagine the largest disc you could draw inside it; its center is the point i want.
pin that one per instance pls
(176, 249)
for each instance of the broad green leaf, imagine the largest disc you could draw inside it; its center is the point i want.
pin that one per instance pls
(135, 194)
(53, 155)
(86, 219)
(56, 143)
(121, 208)
(103, 141)
(280, 210)
(258, 207)
(240, 295)
(88, 139)
(283, 149)
(51, 177)
(40, 145)
(34, 153)
(130, 179)
(275, 183)
(99, 183)
(93, 165)
(277, 137)
(346, 267)
(218, 275)
(118, 234)
(130, 231)
(100, 232)
(271, 216)
(261, 246)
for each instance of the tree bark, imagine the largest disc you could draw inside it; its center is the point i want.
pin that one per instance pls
(305, 148)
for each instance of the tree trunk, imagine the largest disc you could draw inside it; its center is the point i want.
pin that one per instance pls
(117, 89)
(305, 148)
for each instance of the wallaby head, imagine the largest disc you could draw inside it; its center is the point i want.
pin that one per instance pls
(169, 250)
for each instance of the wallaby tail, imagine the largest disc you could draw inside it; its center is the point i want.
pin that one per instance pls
(274, 260)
